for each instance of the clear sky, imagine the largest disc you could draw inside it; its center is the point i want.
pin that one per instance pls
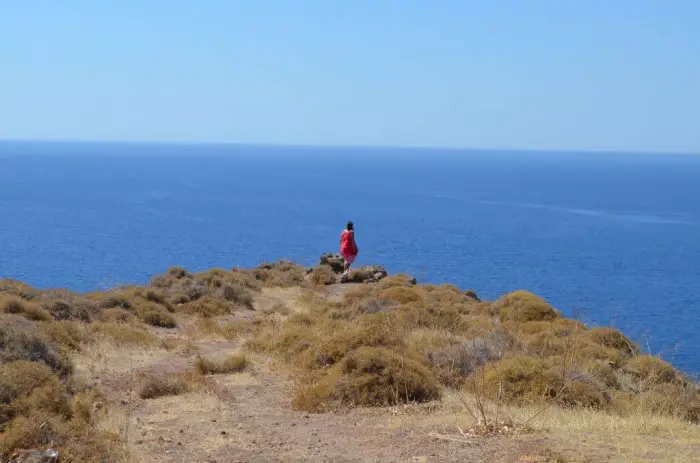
(587, 74)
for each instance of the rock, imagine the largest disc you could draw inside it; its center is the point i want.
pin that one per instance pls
(35, 456)
(472, 295)
(335, 261)
(366, 274)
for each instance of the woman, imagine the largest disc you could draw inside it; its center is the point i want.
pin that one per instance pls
(348, 247)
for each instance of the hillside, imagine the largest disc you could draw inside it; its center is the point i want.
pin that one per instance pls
(283, 363)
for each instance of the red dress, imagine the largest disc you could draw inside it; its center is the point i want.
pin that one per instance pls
(348, 248)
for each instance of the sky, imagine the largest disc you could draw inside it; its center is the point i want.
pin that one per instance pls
(605, 75)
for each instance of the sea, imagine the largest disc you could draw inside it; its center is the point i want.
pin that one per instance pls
(611, 238)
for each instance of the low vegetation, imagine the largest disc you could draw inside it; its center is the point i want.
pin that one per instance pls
(226, 365)
(164, 385)
(396, 342)
(382, 344)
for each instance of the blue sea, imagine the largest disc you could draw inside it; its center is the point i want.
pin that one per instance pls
(613, 239)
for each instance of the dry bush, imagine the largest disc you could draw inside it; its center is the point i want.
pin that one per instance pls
(67, 334)
(523, 380)
(455, 362)
(238, 294)
(64, 305)
(207, 306)
(613, 339)
(322, 275)
(17, 288)
(279, 274)
(369, 305)
(116, 315)
(523, 306)
(330, 345)
(123, 334)
(22, 339)
(357, 294)
(153, 387)
(230, 364)
(157, 317)
(650, 369)
(28, 309)
(370, 376)
(401, 294)
(396, 280)
(178, 272)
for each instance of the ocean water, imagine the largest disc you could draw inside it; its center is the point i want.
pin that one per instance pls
(611, 238)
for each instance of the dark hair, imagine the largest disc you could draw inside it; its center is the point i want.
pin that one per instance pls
(350, 225)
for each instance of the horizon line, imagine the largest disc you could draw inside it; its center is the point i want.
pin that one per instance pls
(593, 151)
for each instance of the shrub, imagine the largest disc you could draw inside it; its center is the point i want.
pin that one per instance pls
(21, 340)
(178, 272)
(401, 294)
(613, 339)
(123, 334)
(115, 301)
(370, 376)
(235, 292)
(525, 380)
(28, 309)
(116, 315)
(196, 291)
(19, 378)
(17, 288)
(65, 333)
(454, 363)
(650, 369)
(230, 364)
(331, 345)
(164, 385)
(522, 306)
(155, 317)
(206, 306)
(179, 298)
(322, 275)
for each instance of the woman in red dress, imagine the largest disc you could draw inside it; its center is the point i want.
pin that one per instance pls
(348, 247)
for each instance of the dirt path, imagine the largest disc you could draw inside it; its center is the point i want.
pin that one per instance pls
(248, 417)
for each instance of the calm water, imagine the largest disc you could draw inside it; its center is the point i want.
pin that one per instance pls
(613, 238)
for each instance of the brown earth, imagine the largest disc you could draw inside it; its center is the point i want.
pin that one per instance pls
(248, 416)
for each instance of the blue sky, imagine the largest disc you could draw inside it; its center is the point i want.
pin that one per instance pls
(593, 75)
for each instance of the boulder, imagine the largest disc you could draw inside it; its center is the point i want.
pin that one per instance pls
(366, 274)
(335, 261)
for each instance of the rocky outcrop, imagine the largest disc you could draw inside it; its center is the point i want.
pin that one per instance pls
(366, 274)
(336, 263)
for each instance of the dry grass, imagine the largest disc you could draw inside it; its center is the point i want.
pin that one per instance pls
(164, 385)
(227, 365)
(583, 432)
(158, 317)
(123, 334)
(322, 275)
